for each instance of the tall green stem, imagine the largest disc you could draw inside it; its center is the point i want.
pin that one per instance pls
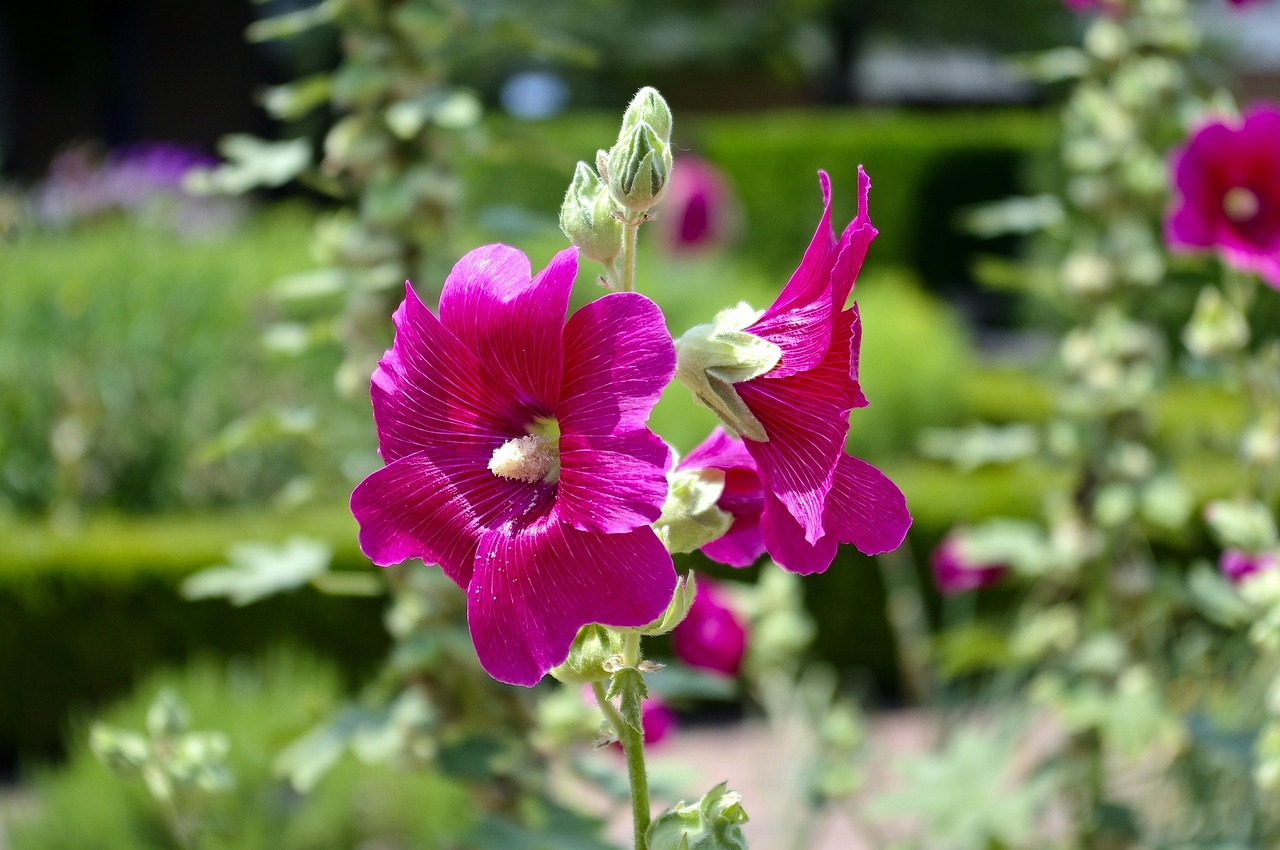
(630, 230)
(632, 741)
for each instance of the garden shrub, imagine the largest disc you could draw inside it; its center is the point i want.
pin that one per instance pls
(262, 705)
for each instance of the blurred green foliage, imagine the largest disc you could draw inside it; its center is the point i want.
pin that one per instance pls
(262, 706)
(124, 352)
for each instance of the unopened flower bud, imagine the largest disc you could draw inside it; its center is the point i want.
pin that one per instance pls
(650, 108)
(589, 217)
(690, 518)
(167, 716)
(713, 823)
(711, 358)
(639, 168)
(1216, 328)
(593, 646)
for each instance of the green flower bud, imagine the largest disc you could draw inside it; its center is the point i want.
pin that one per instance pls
(590, 217)
(121, 750)
(713, 823)
(650, 108)
(686, 589)
(1244, 525)
(1216, 328)
(690, 518)
(167, 716)
(591, 648)
(639, 168)
(711, 358)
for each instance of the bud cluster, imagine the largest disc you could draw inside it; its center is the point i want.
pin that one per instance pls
(629, 179)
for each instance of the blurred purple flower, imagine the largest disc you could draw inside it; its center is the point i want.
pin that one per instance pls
(82, 183)
(531, 480)
(1237, 564)
(743, 497)
(954, 573)
(698, 210)
(1227, 185)
(711, 636)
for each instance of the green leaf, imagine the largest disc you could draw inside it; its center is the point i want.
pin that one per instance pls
(258, 570)
(629, 688)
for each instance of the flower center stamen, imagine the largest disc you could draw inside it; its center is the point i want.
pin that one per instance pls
(1240, 204)
(529, 459)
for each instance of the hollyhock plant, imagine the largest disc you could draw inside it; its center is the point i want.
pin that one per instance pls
(743, 498)
(789, 396)
(711, 636)
(517, 456)
(955, 573)
(1237, 565)
(1227, 186)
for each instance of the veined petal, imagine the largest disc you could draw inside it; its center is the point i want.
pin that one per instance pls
(787, 543)
(618, 357)
(866, 509)
(511, 323)
(435, 506)
(740, 546)
(536, 583)
(853, 246)
(430, 391)
(614, 483)
(720, 451)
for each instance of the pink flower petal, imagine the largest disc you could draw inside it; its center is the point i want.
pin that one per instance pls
(854, 243)
(614, 483)
(863, 508)
(866, 509)
(740, 546)
(787, 544)
(435, 507)
(806, 418)
(720, 451)
(511, 323)
(430, 391)
(538, 581)
(618, 357)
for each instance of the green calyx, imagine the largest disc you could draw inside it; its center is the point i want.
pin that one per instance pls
(591, 218)
(686, 590)
(711, 358)
(690, 518)
(713, 823)
(593, 646)
(648, 107)
(639, 168)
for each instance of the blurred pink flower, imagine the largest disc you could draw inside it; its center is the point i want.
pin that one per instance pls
(743, 498)
(1227, 185)
(657, 720)
(531, 480)
(816, 496)
(698, 210)
(711, 636)
(1237, 564)
(954, 573)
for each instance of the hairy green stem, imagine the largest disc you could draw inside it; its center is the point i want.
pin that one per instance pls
(632, 741)
(630, 230)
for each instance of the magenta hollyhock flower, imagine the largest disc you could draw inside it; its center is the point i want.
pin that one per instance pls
(1227, 185)
(517, 456)
(697, 210)
(711, 636)
(816, 496)
(1237, 564)
(743, 497)
(955, 573)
